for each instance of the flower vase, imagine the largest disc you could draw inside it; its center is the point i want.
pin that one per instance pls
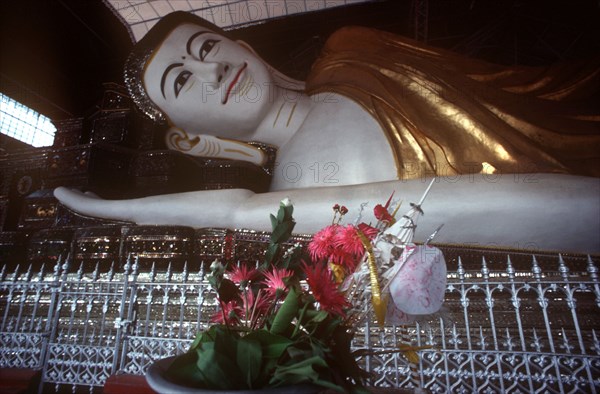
(157, 381)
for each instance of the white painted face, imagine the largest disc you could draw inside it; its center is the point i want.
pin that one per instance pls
(206, 83)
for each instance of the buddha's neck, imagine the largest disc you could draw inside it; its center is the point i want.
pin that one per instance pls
(286, 116)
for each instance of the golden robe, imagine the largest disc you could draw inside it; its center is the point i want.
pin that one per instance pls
(445, 114)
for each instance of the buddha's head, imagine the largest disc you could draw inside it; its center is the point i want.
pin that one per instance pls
(191, 74)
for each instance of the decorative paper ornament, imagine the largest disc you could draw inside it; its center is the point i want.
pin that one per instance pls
(418, 287)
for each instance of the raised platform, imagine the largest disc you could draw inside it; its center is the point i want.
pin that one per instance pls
(19, 380)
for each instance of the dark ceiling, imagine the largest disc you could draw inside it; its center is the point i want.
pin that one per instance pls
(55, 54)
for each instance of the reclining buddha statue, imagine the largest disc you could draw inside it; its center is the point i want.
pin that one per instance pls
(514, 150)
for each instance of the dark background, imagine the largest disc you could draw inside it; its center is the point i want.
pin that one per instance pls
(55, 54)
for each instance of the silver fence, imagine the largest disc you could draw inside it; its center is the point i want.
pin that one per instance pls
(512, 323)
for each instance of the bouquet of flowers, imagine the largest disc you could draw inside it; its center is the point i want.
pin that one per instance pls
(288, 320)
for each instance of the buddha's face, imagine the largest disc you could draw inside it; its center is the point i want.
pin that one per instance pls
(206, 83)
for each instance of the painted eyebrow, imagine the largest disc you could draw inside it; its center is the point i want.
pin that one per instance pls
(188, 46)
(164, 76)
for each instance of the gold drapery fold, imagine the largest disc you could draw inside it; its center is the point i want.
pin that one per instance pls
(444, 114)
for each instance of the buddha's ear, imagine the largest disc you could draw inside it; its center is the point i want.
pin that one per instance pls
(280, 79)
(210, 146)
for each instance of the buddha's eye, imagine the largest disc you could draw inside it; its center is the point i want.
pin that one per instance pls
(206, 47)
(180, 80)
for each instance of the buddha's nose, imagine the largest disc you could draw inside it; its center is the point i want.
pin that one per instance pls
(211, 72)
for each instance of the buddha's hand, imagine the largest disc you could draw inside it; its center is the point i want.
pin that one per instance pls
(87, 203)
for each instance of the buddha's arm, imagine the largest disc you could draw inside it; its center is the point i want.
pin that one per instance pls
(537, 211)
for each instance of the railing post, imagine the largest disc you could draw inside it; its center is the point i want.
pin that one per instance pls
(122, 325)
(489, 302)
(543, 302)
(464, 301)
(53, 316)
(516, 303)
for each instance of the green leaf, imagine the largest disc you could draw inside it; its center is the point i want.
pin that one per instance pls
(297, 353)
(299, 372)
(228, 291)
(184, 370)
(270, 255)
(318, 316)
(327, 327)
(289, 210)
(273, 346)
(282, 232)
(273, 221)
(196, 342)
(226, 343)
(206, 336)
(281, 214)
(286, 313)
(219, 371)
(302, 372)
(249, 359)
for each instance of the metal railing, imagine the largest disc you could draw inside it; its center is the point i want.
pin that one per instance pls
(508, 325)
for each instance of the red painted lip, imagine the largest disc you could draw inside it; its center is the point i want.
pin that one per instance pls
(235, 80)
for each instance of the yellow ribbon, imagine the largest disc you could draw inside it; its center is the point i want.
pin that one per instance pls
(379, 305)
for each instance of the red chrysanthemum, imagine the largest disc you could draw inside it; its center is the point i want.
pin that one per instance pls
(323, 243)
(242, 274)
(274, 280)
(324, 289)
(345, 259)
(348, 241)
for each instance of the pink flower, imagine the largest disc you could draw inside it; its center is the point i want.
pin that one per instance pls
(274, 280)
(242, 274)
(323, 243)
(324, 289)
